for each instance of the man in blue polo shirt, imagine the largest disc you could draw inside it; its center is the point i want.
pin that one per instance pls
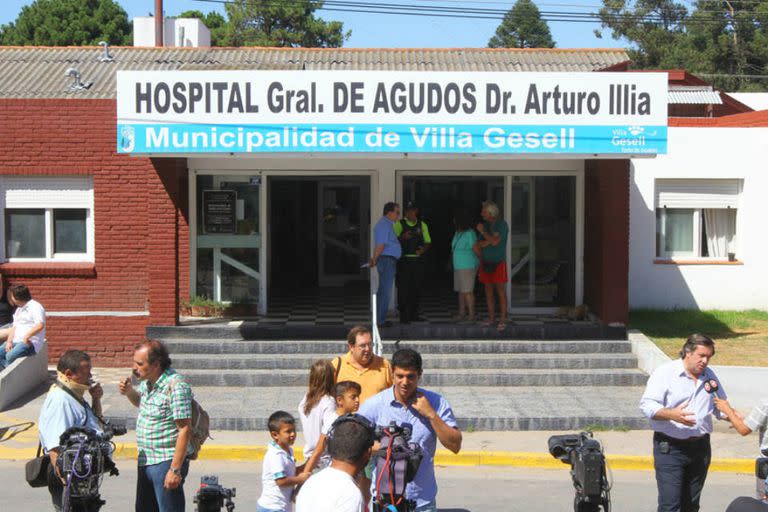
(386, 252)
(427, 413)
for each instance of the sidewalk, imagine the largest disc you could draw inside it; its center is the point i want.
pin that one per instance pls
(625, 450)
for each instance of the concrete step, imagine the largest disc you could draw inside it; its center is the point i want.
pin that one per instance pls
(463, 377)
(431, 361)
(565, 408)
(179, 346)
(264, 329)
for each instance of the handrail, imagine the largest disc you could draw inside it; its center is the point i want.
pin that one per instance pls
(378, 347)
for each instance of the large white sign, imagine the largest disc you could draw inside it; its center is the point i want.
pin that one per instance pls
(386, 111)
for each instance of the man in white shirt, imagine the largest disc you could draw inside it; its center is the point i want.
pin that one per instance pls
(334, 489)
(679, 401)
(27, 334)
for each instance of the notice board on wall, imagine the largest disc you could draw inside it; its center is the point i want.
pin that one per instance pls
(219, 211)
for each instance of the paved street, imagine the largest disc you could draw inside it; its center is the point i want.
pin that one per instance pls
(475, 489)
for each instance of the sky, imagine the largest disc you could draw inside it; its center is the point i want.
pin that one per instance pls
(390, 31)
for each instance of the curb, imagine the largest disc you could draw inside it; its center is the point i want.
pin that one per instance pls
(244, 453)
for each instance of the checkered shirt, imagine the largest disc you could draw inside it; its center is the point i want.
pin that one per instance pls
(170, 399)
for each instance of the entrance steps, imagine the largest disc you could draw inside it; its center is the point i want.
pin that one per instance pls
(492, 384)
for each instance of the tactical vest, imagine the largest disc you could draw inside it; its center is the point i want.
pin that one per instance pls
(417, 237)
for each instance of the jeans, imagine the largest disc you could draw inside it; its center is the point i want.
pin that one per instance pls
(18, 350)
(151, 496)
(681, 469)
(386, 267)
(259, 508)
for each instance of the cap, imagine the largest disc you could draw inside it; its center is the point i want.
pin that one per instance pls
(411, 205)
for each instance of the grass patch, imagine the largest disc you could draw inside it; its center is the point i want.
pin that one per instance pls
(741, 336)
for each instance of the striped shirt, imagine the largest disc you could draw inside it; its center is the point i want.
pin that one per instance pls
(168, 400)
(757, 421)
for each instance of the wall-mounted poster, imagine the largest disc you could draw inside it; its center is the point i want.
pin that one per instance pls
(219, 211)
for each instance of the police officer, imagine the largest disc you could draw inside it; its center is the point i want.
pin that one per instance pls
(415, 241)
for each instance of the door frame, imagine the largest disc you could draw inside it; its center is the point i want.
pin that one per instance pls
(352, 181)
(508, 176)
(265, 174)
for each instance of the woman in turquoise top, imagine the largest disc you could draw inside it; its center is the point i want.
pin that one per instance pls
(465, 264)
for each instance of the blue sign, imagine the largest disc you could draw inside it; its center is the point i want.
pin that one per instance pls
(463, 139)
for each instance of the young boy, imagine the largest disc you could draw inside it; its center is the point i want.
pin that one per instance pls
(278, 474)
(347, 395)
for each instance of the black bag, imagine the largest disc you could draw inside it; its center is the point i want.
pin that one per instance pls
(36, 470)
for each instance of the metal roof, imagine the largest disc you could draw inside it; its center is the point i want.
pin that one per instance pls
(693, 95)
(39, 72)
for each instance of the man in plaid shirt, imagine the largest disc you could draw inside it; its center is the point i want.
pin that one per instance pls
(163, 429)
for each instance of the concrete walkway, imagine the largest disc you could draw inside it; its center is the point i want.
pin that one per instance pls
(625, 450)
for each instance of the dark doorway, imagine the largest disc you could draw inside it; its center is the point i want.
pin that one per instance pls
(439, 198)
(319, 229)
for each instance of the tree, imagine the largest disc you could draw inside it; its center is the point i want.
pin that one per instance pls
(68, 23)
(725, 41)
(284, 24)
(522, 27)
(215, 22)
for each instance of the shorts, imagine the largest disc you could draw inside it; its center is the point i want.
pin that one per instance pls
(499, 275)
(464, 280)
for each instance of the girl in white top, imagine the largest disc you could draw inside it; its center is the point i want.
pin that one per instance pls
(317, 411)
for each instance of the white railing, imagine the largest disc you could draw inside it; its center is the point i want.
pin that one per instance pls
(378, 347)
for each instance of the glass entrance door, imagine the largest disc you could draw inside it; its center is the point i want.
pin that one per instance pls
(343, 228)
(228, 238)
(542, 241)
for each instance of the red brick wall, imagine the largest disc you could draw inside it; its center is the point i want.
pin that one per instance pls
(138, 225)
(606, 239)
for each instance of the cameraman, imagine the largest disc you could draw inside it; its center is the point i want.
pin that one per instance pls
(426, 413)
(65, 407)
(334, 488)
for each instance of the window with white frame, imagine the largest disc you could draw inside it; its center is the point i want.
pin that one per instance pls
(48, 218)
(696, 218)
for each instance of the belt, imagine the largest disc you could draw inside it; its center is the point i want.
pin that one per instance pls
(387, 256)
(658, 436)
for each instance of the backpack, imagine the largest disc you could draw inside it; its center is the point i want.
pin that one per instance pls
(200, 426)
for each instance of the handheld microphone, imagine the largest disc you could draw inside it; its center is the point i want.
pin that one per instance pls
(711, 386)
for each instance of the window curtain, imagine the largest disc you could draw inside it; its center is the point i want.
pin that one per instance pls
(679, 231)
(720, 230)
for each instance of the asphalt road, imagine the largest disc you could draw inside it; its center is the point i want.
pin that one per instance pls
(470, 489)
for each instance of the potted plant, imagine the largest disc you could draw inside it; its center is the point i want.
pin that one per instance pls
(204, 307)
(240, 306)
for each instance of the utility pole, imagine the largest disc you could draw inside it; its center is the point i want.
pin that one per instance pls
(159, 23)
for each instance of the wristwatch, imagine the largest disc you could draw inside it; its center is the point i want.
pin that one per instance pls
(175, 471)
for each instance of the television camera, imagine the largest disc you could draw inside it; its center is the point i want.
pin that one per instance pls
(211, 496)
(588, 470)
(397, 460)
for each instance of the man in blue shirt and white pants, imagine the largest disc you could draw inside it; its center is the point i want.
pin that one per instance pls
(386, 252)
(427, 413)
(679, 401)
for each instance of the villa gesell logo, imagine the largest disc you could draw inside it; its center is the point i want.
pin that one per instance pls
(234, 112)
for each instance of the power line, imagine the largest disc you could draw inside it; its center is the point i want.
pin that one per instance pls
(487, 13)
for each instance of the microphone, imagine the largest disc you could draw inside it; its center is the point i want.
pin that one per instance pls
(711, 386)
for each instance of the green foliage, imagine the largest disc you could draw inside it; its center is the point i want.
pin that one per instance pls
(215, 22)
(726, 40)
(68, 23)
(281, 24)
(681, 323)
(522, 27)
